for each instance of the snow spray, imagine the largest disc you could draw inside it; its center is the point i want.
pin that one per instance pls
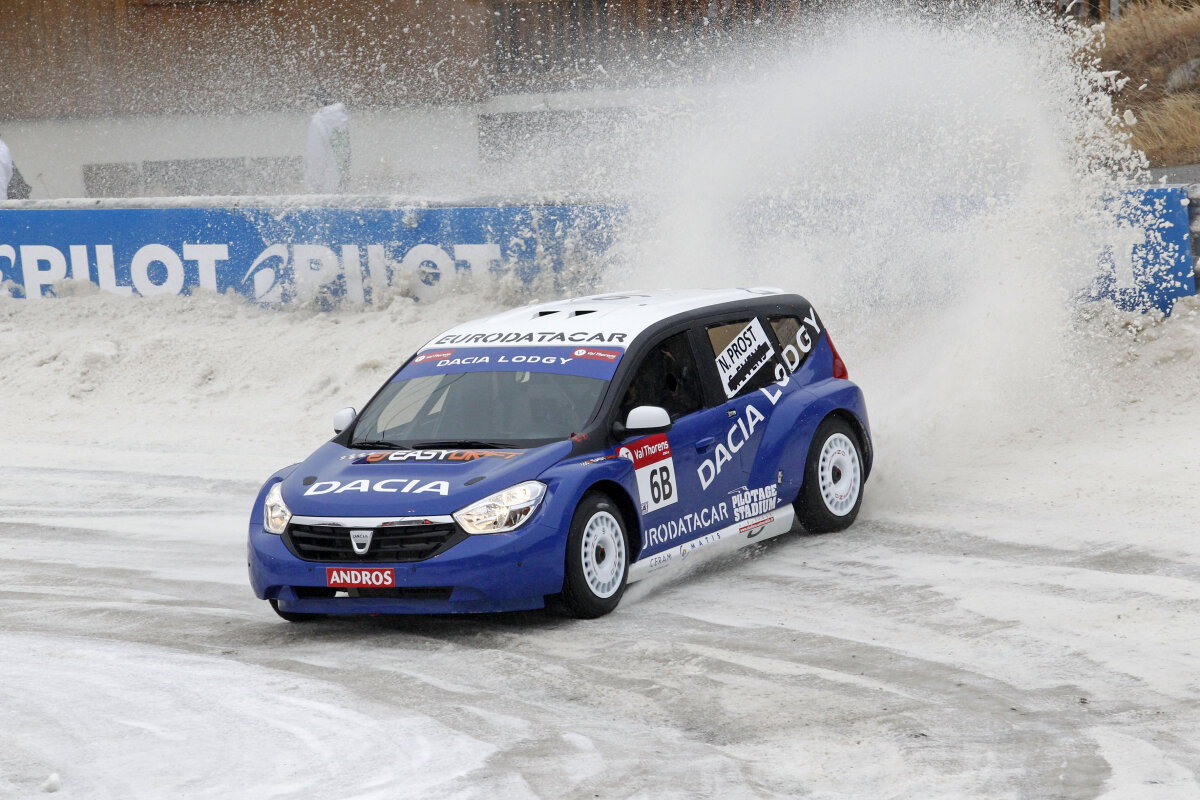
(937, 184)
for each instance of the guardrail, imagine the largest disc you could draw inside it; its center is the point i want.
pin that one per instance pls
(350, 250)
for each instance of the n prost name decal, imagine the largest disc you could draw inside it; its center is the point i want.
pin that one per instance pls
(743, 357)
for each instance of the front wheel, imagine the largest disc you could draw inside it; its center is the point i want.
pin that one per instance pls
(833, 479)
(597, 565)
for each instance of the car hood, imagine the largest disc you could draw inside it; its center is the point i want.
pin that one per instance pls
(336, 481)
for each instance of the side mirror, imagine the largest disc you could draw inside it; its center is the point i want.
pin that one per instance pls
(343, 419)
(648, 419)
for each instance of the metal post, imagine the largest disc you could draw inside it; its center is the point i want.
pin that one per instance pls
(1114, 9)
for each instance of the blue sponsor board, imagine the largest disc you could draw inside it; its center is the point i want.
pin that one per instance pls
(285, 255)
(332, 255)
(1157, 267)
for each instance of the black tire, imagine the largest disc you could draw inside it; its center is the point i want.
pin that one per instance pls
(292, 616)
(833, 478)
(597, 561)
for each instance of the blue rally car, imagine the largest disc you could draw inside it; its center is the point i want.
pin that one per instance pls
(565, 450)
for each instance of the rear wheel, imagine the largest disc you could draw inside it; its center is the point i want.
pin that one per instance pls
(597, 564)
(833, 478)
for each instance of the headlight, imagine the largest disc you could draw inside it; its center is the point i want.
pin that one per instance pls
(276, 514)
(504, 510)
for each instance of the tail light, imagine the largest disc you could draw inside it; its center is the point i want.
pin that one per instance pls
(839, 366)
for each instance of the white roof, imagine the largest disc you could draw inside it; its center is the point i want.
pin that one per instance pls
(614, 319)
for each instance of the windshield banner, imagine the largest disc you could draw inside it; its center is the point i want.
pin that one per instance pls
(585, 362)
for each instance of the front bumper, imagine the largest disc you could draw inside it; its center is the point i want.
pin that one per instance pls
(484, 573)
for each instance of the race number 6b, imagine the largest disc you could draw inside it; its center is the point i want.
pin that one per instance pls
(661, 491)
(654, 469)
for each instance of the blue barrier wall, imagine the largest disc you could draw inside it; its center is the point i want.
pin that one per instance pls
(285, 255)
(282, 255)
(1160, 266)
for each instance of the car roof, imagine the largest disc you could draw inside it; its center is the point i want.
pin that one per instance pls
(602, 317)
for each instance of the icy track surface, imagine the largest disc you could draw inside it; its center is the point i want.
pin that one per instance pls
(1019, 621)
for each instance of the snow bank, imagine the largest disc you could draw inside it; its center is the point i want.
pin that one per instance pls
(208, 370)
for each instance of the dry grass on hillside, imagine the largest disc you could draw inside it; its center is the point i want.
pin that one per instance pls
(1148, 43)
(1168, 130)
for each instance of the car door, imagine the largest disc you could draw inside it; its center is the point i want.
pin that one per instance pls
(672, 507)
(740, 360)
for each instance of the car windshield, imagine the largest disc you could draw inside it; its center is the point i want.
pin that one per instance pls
(478, 409)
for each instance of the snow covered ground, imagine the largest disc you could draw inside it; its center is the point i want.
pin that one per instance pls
(1016, 614)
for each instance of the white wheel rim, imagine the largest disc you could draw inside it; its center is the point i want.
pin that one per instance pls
(839, 475)
(603, 554)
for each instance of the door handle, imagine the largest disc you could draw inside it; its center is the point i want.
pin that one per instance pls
(704, 444)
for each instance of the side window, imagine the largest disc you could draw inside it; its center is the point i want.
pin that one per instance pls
(743, 355)
(667, 377)
(795, 338)
(786, 329)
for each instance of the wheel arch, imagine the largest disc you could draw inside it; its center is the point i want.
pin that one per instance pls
(860, 430)
(633, 529)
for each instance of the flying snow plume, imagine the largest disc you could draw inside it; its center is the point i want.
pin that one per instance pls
(939, 185)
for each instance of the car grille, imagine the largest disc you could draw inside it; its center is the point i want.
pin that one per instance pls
(389, 543)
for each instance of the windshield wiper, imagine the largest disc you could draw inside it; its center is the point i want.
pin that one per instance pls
(462, 443)
(380, 445)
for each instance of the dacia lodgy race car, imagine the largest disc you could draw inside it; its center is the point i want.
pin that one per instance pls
(565, 450)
